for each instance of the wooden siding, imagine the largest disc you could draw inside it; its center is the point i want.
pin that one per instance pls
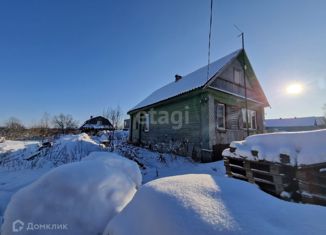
(166, 133)
(226, 82)
(234, 122)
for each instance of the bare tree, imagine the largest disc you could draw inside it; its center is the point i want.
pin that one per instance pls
(42, 128)
(64, 122)
(14, 128)
(114, 115)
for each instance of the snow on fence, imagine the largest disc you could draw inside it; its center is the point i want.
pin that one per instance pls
(288, 165)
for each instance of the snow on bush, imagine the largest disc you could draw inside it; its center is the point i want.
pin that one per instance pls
(303, 148)
(203, 204)
(83, 195)
(66, 149)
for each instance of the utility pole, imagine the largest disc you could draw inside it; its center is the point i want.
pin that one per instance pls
(209, 37)
(244, 67)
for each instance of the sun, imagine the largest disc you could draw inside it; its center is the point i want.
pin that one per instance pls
(294, 89)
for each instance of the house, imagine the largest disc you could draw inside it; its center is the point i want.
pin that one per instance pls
(95, 124)
(199, 114)
(295, 124)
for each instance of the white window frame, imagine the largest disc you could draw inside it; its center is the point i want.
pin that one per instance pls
(251, 113)
(146, 122)
(217, 113)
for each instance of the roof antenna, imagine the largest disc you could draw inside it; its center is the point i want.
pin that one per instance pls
(244, 67)
(209, 38)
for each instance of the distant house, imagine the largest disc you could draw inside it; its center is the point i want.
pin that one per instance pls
(95, 124)
(199, 114)
(295, 124)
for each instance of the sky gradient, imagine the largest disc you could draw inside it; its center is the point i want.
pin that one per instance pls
(80, 57)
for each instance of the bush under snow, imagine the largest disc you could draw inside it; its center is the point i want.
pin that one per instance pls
(203, 204)
(66, 149)
(83, 195)
(303, 148)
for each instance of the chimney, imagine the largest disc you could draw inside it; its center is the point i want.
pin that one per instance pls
(177, 77)
(91, 117)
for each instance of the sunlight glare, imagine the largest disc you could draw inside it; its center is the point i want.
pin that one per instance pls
(294, 89)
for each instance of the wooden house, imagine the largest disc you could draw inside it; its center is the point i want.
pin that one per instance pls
(199, 114)
(96, 124)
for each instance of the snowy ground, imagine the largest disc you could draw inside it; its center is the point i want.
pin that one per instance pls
(244, 203)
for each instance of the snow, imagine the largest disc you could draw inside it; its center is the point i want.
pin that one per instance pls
(207, 204)
(12, 181)
(193, 198)
(83, 195)
(10, 145)
(17, 155)
(295, 122)
(96, 126)
(116, 161)
(303, 148)
(187, 83)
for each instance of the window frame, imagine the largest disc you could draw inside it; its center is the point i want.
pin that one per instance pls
(217, 105)
(235, 70)
(146, 122)
(251, 114)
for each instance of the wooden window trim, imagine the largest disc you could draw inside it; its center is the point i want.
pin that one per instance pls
(217, 104)
(146, 123)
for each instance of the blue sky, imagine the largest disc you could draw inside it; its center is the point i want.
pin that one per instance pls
(79, 57)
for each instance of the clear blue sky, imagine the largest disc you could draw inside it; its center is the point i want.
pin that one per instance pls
(79, 57)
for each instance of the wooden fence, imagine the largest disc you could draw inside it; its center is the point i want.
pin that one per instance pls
(304, 184)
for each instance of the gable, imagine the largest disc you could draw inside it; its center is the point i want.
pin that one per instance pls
(231, 80)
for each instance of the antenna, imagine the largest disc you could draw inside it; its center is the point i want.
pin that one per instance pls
(244, 67)
(209, 38)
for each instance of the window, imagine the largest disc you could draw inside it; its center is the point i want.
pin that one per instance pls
(237, 76)
(146, 122)
(99, 123)
(220, 116)
(252, 119)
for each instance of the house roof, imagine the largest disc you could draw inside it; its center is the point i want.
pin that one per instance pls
(295, 122)
(93, 124)
(192, 81)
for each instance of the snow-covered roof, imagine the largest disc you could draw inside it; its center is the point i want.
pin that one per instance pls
(187, 83)
(295, 122)
(96, 126)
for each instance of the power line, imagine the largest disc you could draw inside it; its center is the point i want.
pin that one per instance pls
(209, 38)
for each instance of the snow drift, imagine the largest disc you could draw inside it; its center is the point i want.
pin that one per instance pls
(84, 196)
(29, 155)
(303, 148)
(203, 204)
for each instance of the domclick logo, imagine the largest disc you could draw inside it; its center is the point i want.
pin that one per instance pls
(17, 226)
